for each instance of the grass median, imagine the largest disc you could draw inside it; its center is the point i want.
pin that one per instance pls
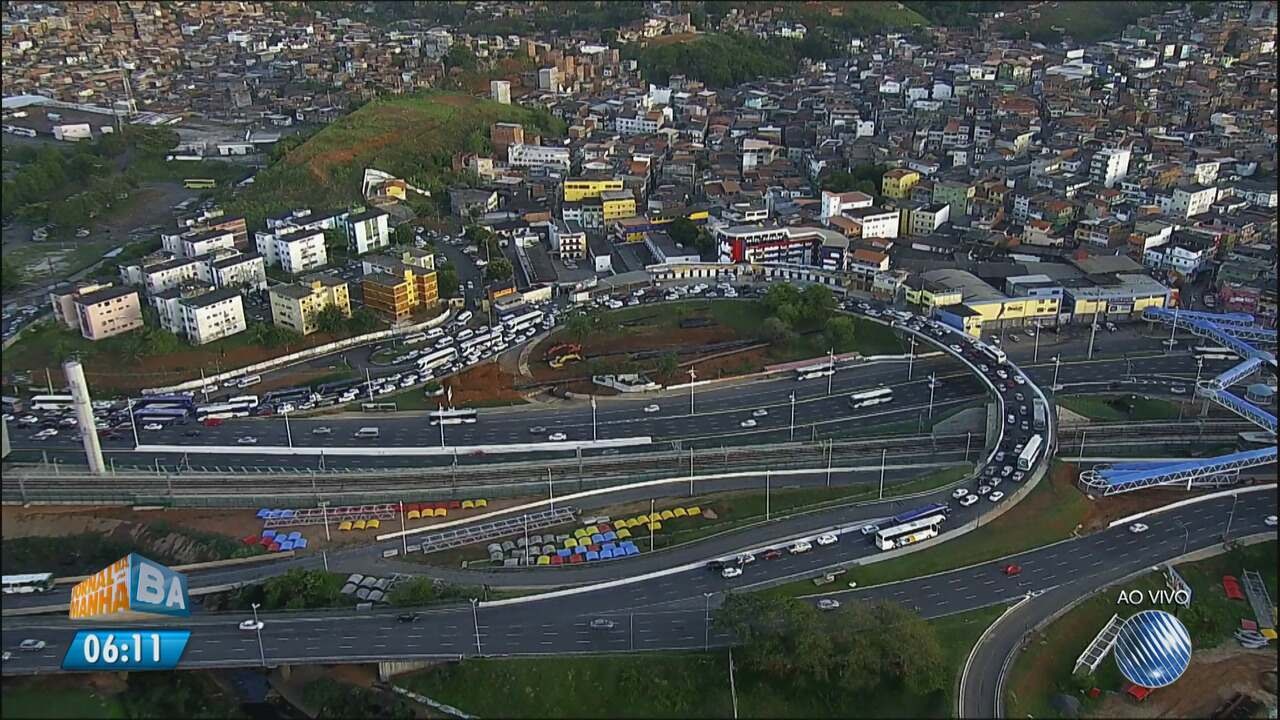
(1045, 668)
(1048, 514)
(1120, 408)
(674, 685)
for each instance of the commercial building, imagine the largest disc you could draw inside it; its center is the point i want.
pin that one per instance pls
(556, 158)
(107, 311)
(990, 308)
(667, 252)
(616, 204)
(297, 306)
(367, 231)
(772, 244)
(582, 188)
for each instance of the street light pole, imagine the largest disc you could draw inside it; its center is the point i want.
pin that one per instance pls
(831, 365)
(1093, 332)
(1186, 535)
(404, 539)
(133, 424)
(1235, 498)
(884, 453)
(440, 420)
(692, 376)
(912, 357)
(324, 516)
(830, 443)
(593, 419)
(793, 416)
(766, 495)
(933, 382)
(551, 491)
(706, 622)
(1035, 353)
(257, 626)
(1057, 363)
(475, 619)
(287, 432)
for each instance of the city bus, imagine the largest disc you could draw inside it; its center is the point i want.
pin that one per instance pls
(302, 394)
(870, 398)
(159, 414)
(1040, 415)
(480, 341)
(813, 372)
(378, 407)
(433, 360)
(522, 321)
(909, 533)
(995, 353)
(224, 411)
(52, 402)
(1031, 453)
(27, 583)
(1213, 353)
(250, 400)
(926, 511)
(452, 416)
(200, 183)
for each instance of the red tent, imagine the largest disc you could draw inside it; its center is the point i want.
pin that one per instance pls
(1232, 588)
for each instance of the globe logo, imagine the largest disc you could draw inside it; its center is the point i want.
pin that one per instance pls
(1153, 649)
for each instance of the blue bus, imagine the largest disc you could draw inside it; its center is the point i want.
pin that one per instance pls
(164, 401)
(159, 414)
(921, 512)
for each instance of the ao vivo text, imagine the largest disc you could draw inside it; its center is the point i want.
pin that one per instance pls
(1154, 597)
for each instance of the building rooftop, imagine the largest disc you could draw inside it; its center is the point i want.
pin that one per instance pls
(210, 298)
(104, 295)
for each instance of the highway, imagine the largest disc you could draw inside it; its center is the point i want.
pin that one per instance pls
(668, 612)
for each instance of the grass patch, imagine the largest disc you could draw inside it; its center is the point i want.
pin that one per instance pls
(33, 261)
(1086, 21)
(40, 698)
(672, 685)
(1119, 408)
(1045, 668)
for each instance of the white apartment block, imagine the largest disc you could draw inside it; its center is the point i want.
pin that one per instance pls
(211, 316)
(158, 278)
(836, 203)
(1109, 166)
(927, 219)
(1187, 202)
(549, 79)
(246, 271)
(1184, 261)
(877, 222)
(638, 124)
(196, 243)
(522, 155)
(295, 250)
(368, 231)
(568, 240)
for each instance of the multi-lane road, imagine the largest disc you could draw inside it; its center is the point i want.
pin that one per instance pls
(671, 611)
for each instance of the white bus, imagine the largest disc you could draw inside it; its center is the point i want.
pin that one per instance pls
(909, 533)
(813, 372)
(415, 338)
(52, 402)
(435, 359)
(28, 583)
(480, 341)
(250, 400)
(522, 321)
(870, 398)
(452, 416)
(1207, 352)
(245, 382)
(1031, 453)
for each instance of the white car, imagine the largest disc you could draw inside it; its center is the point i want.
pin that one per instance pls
(870, 529)
(746, 559)
(802, 546)
(557, 437)
(996, 496)
(1137, 528)
(984, 489)
(828, 604)
(651, 408)
(1270, 521)
(30, 644)
(251, 625)
(44, 434)
(759, 413)
(246, 440)
(730, 572)
(153, 426)
(959, 493)
(748, 423)
(968, 500)
(322, 430)
(828, 539)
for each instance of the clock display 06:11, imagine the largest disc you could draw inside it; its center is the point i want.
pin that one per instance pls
(126, 649)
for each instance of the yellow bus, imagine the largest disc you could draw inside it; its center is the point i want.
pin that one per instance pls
(199, 183)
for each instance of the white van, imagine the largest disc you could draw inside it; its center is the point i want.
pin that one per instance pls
(246, 382)
(434, 333)
(465, 335)
(415, 338)
(367, 432)
(464, 316)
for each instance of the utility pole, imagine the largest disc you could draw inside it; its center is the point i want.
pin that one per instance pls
(1093, 332)
(368, 384)
(706, 622)
(830, 447)
(134, 425)
(831, 365)
(440, 419)
(475, 619)
(1083, 434)
(690, 471)
(551, 491)
(793, 416)
(766, 495)
(1226, 534)
(1035, 352)
(594, 437)
(404, 539)
(733, 690)
(324, 517)
(287, 433)
(652, 533)
(1057, 362)
(933, 383)
(912, 357)
(884, 453)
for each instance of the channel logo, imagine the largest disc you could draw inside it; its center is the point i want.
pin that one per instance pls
(1153, 649)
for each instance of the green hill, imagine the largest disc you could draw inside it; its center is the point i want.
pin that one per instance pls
(413, 137)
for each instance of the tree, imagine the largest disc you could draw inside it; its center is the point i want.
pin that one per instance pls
(447, 281)
(301, 590)
(362, 321)
(775, 330)
(668, 364)
(422, 591)
(331, 320)
(403, 234)
(818, 303)
(498, 269)
(579, 327)
(780, 295)
(461, 57)
(840, 334)
(682, 230)
(10, 278)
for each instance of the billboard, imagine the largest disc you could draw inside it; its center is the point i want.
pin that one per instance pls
(130, 587)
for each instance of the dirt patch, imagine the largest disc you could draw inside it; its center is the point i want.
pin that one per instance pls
(1213, 677)
(484, 385)
(1104, 510)
(319, 165)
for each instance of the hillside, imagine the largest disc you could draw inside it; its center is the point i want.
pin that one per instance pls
(413, 137)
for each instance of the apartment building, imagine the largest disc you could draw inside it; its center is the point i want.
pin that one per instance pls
(925, 220)
(1187, 200)
(897, 183)
(582, 188)
(367, 231)
(107, 312)
(297, 306)
(200, 313)
(503, 135)
(170, 274)
(396, 288)
(617, 204)
(230, 268)
(195, 243)
(1109, 166)
(568, 240)
(500, 91)
(875, 222)
(294, 250)
(834, 204)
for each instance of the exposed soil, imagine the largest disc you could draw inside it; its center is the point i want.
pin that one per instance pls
(1105, 510)
(1213, 677)
(483, 385)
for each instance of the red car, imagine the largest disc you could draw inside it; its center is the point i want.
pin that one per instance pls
(1012, 570)
(773, 554)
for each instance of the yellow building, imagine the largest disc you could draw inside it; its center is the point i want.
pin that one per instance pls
(897, 183)
(396, 292)
(297, 306)
(929, 296)
(617, 204)
(581, 189)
